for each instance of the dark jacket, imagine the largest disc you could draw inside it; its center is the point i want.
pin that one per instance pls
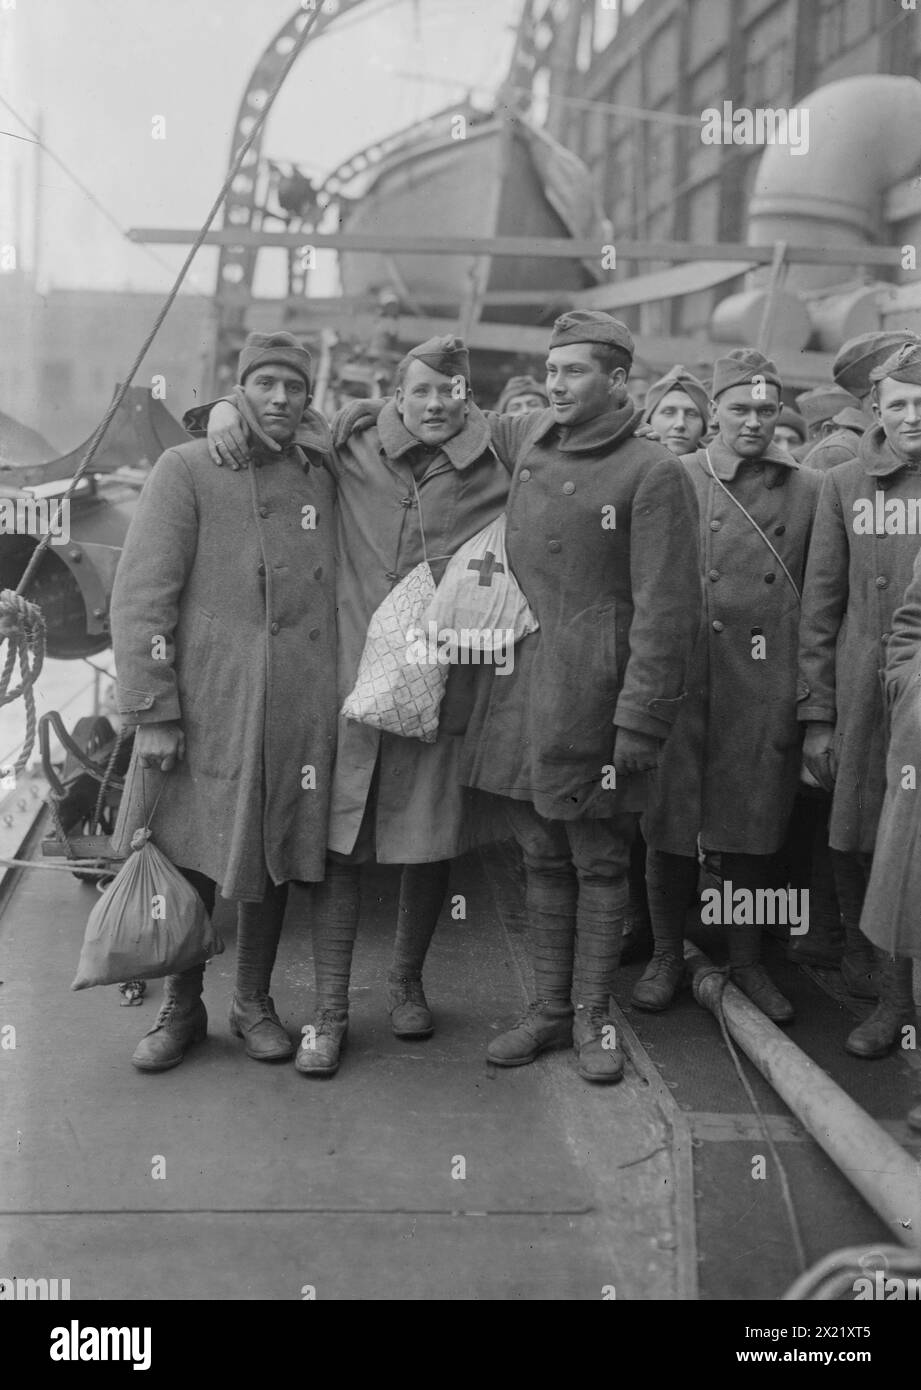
(854, 584)
(730, 771)
(618, 607)
(221, 566)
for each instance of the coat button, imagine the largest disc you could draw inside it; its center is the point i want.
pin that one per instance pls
(569, 488)
(769, 578)
(313, 634)
(263, 511)
(261, 571)
(717, 626)
(318, 572)
(715, 525)
(779, 530)
(391, 575)
(525, 474)
(714, 575)
(882, 582)
(555, 547)
(275, 629)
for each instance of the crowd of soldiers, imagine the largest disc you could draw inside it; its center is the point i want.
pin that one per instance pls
(713, 676)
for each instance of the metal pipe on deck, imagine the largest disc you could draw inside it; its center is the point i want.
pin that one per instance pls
(883, 1173)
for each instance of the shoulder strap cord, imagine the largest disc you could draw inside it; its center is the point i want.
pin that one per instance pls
(751, 519)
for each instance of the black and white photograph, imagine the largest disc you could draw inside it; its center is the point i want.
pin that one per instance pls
(460, 666)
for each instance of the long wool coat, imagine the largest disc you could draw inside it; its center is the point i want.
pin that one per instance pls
(730, 771)
(222, 566)
(422, 811)
(616, 593)
(854, 584)
(890, 916)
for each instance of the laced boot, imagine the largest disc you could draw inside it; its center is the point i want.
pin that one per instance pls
(323, 1041)
(859, 966)
(594, 1037)
(879, 1033)
(545, 1025)
(255, 1021)
(410, 1016)
(658, 985)
(182, 1021)
(672, 887)
(754, 981)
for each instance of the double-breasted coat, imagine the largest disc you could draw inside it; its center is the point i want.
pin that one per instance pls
(422, 813)
(854, 584)
(601, 537)
(223, 617)
(890, 916)
(730, 771)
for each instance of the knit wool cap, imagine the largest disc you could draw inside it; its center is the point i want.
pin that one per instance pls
(859, 357)
(676, 379)
(520, 386)
(447, 355)
(591, 326)
(823, 403)
(903, 365)
(278, 348)
(740, 367)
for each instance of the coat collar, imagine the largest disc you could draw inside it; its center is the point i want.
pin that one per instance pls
(726, 462)
(312, 435)
(605, 431)
(879, 458)
(461, 450)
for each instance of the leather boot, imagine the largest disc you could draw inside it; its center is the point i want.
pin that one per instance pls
(594, 1037)
(323, 1041)
(672, 885)
(410, 1016)
(859, 966)
(182, 1021)
(879, 1033)
(545, 1025)
(754, 981)
(255, 1021)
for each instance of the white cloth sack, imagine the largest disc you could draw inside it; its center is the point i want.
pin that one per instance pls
(395, 690)
(479, 600)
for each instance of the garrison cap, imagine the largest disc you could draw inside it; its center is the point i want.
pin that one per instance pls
(282, 349)
(823, 403)
(793, 421)
(677, 378)
(447, 355)
(902, 365)
(591, 326)
(740, 367)
(859, 357)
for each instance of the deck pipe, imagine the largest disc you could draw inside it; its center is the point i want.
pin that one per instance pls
(882, 1171)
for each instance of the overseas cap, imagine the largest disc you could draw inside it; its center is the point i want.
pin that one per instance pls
(676, 379)
(793, 421)
(902, 365)
(823, 403)
(447, 355)
(859, 357)
(740, 367)
(591, 326)
(279, 348)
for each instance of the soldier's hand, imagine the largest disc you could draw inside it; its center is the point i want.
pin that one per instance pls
(160, 745)
(228, 441)
(819, 754)
(635, 752)
(647, 432)
(355, 418)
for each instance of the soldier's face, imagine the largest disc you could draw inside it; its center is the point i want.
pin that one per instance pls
(578, 385)
(678, 422)
(433, 407)
(898, 410)
(278, 396)
(786, 438)
(746, 417)
(523, 405)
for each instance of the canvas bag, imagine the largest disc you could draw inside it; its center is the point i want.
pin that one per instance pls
(479, 599)
(149, 922)
(398, 687)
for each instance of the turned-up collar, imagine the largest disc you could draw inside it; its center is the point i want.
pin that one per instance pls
(726, 462)
(312, 435)
(877, 455)
(602, 431)
(461, 449)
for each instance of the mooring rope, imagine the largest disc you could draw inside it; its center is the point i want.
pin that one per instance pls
(22, 625)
